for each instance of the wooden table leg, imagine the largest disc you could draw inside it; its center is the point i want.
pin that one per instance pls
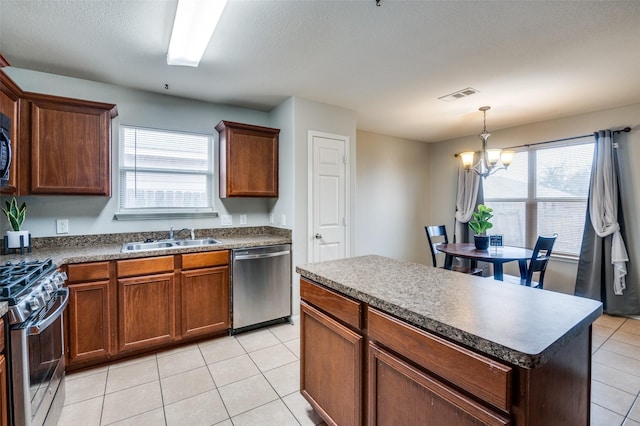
(523, 271)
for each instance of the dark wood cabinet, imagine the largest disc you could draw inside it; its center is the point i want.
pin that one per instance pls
(331, 347)
(90, 314)
(415, 377)
(4, 395)
(70, 145)
(146, 302)
(204, 293)
(10, 106)
(248, 165)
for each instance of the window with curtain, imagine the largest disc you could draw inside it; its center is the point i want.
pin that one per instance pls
(164, 171)
(543, 192)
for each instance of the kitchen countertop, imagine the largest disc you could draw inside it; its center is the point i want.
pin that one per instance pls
(520, 325)
(103, 247)
(4, 308)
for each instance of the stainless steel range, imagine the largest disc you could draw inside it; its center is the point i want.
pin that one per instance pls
(36, 297)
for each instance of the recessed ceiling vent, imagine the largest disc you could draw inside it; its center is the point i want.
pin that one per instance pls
(458, 95)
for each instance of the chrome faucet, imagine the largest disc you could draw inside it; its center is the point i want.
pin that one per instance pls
(192, 232)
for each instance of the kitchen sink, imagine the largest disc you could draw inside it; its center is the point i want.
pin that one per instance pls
(160, 245)
(200, 242)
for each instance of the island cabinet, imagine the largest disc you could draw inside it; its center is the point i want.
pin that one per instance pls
(68, 142)
(361, 364)
(90, 315)
(331, 347)
(204, 291)
(146, 302)
(248, 160)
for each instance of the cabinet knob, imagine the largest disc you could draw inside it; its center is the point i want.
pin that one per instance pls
(318, 236)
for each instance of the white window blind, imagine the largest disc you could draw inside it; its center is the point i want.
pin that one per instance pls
(543, 192)
(165, 171)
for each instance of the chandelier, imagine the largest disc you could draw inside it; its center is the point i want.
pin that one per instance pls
(491, 160)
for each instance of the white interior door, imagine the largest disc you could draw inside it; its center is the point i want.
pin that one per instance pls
(329, 193)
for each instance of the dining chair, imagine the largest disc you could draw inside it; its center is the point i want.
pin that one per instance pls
(537, 263)
(437, 234)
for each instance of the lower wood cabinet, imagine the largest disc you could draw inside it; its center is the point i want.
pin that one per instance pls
(4, 401)
(90, 314)
(146, 311)
(204, 291)
(126, 307)
(331, 368)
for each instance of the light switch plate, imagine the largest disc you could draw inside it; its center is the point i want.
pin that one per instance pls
(226, 220)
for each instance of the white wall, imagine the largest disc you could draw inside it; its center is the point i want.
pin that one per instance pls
(393, 197)
(560, 273)
(94, 215)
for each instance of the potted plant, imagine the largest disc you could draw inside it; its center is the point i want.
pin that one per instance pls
(15, 216)
(479, 224)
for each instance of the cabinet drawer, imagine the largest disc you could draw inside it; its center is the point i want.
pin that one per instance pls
(468, 370)
(145, 266)
(205, 259)
(82, 272)
(344, 309)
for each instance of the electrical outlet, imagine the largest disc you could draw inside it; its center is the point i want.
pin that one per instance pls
(62, 226)
(226, 220)
(243, 219)
(271, 218)
(284, 220)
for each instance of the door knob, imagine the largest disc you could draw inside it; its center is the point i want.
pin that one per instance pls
(318, 236)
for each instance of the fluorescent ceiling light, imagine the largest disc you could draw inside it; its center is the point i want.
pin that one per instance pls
(192, 29)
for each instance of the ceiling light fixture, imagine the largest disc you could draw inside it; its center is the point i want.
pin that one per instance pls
(491, 160)
(193, 26)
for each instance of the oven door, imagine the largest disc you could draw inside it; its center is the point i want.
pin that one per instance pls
(37, 350)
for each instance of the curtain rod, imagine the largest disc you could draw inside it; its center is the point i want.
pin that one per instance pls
(625, 130)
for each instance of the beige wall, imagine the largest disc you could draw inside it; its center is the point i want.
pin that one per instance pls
(392, 197)
(561, 274)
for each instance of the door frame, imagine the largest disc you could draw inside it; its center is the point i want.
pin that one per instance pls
(347, 190)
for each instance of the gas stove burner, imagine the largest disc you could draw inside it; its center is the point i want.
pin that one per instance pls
(16, 279)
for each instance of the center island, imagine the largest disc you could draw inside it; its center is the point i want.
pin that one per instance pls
(386, 342)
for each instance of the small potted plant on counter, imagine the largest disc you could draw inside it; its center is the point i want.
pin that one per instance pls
(480, 224)
(15, 216)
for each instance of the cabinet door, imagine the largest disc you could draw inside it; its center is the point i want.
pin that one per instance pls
(248, 160)
(4, 413)
(331, 368)
(70, 148)
(205, 301)
(9, 106)
(400, 394)
(146, 314)
(90, 324)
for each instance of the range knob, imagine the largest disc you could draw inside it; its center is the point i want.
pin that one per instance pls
(35, 303)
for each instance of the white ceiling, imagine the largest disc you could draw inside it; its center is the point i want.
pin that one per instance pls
(530, 60)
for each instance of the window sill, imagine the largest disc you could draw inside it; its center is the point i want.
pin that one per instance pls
(163, 215)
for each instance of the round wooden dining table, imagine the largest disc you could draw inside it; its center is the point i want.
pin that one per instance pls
(498, 256)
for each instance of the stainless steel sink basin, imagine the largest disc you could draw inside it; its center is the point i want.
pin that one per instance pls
(141, 246)
(160, 245)
(200, 242)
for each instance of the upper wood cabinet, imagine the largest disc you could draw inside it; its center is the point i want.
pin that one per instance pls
(10, 106)
(248, 160)
(70, 145)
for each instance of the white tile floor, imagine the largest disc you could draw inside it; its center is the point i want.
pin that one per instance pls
(253, 379)
(250, 379)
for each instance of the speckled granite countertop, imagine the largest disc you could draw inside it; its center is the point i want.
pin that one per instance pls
(520, 325)
(4, 308)
(96, 248)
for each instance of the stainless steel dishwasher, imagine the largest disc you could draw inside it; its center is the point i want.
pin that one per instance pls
(261, 286)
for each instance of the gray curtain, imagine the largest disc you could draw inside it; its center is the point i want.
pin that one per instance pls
(469, 195)
(603, 272)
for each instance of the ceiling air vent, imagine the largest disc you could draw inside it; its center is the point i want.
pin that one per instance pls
(459, 94)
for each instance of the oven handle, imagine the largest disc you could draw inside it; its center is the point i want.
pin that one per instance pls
(39, 327)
